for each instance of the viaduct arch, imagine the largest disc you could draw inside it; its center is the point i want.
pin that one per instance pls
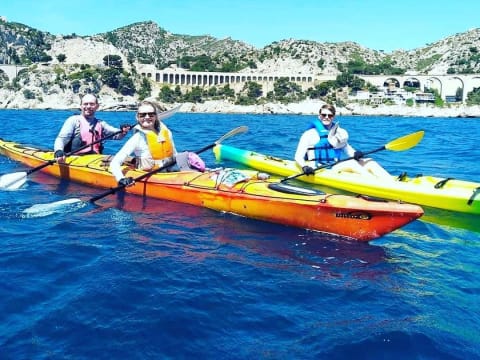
(446, 85)
(11, 70)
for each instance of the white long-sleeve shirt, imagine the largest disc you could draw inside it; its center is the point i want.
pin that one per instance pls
(138, 145)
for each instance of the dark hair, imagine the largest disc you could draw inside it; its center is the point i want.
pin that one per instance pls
(329, 107)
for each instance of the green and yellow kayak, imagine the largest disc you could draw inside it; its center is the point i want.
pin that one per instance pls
(442, 193)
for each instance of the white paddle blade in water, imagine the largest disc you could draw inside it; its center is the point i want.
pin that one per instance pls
(13, 181)
(41, 210)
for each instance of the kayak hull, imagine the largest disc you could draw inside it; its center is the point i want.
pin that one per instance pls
(235, 191)
(448, 194)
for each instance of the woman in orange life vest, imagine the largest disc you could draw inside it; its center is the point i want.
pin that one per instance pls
(153, 146)
(83, 129)
(325, 142)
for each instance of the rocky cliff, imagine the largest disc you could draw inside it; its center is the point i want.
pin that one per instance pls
(60, 66)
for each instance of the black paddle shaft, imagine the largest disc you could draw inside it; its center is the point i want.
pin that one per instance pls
(146, 175)
(332, 164)
(170, 163)
(141, 177)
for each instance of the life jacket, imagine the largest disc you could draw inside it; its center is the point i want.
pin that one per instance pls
(161, 144)
(89, 132)
(324, 151)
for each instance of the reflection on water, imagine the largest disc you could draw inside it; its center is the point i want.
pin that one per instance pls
(451, 219)
(199, 233)
(204, 233)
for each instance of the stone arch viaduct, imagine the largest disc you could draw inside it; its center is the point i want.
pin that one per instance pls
(446, 85)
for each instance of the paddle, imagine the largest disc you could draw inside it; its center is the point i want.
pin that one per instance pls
(14, 180)
(51, 207)
(235, 131)
(400, 144)
(166, 114)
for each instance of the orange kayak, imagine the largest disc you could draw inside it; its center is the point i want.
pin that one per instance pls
(241, 192)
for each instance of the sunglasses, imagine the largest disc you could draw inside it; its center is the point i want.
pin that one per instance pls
(144, 114)
(327, 115)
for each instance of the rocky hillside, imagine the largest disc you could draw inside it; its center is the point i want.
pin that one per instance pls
(61, 67)
(456, 54)
(310, 57)
(148, 43)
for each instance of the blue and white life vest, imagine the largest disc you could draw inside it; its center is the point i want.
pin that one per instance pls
(324, 151)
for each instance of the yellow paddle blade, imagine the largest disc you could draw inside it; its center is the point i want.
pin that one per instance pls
(405, 142)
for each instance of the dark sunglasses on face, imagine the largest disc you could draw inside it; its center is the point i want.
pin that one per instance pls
(327, 115)
(144, 114)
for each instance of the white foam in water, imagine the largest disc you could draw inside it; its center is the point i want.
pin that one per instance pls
(41, 210)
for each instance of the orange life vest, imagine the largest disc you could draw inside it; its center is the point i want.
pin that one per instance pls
(160, 145)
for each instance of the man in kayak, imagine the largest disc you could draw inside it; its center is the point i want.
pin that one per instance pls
(153, 146)
(84, 129)
(324, 142)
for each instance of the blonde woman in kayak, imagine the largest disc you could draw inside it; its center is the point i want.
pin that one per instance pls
(153, 146)
(325, 142)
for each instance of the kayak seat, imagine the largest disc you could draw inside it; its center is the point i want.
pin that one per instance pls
(290, 189)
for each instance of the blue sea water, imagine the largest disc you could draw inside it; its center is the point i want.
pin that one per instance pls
(137, 278)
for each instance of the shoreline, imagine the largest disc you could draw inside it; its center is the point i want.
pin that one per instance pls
(306, 107)
(311, 107)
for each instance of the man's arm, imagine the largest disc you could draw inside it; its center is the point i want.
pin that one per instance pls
(66, 133)
(108, 130)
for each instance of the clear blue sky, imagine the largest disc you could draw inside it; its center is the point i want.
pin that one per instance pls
(376, 24)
